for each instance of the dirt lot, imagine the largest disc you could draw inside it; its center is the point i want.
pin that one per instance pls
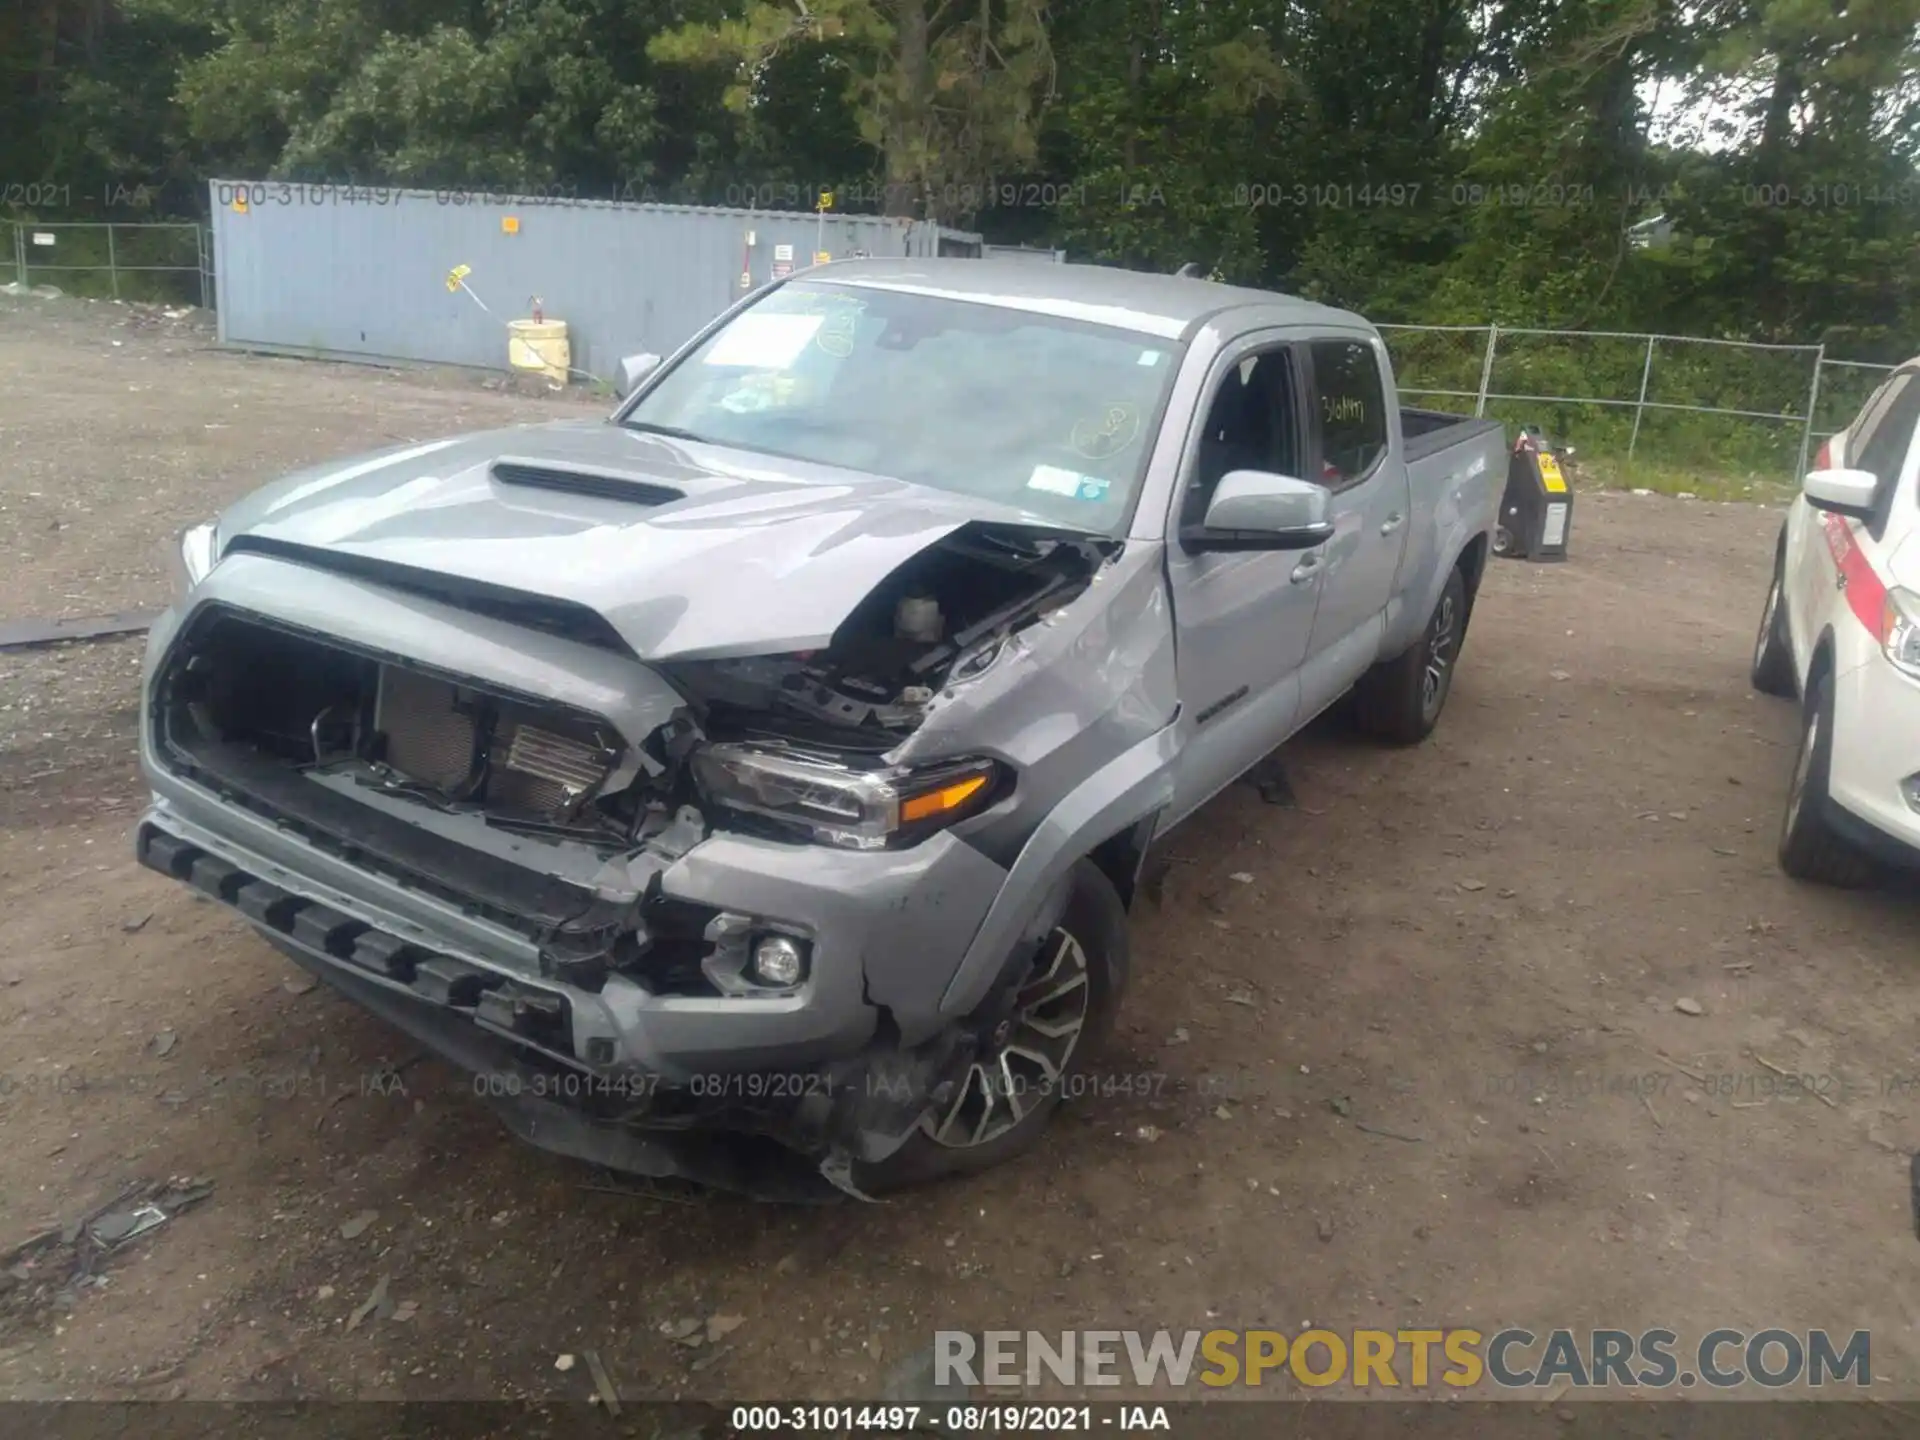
(1472, 949)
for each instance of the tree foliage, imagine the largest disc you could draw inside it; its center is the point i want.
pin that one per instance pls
(946, 92)
(1426, 160)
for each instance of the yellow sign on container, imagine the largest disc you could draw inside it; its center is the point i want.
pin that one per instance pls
(1550, 475)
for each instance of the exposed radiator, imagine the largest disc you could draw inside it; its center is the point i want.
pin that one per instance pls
(432, 729)
(430, 732)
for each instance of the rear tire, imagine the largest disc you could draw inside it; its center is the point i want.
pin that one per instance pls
(1400, 700)
(1810, 848)
(1090, 943)
(1773, 650)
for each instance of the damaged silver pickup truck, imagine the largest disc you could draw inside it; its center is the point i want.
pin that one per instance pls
(751, 787)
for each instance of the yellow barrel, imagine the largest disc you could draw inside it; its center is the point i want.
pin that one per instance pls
(539, 345)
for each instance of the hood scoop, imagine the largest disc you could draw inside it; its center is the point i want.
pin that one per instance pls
(602, 484)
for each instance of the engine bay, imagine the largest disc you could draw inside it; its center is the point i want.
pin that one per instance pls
(943, 619)
(251, 703)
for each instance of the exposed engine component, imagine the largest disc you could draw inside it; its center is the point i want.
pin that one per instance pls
(473, 746)
(318, 708)
(918, 618)
(942, 619)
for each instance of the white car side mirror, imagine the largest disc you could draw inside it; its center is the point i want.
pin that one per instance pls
(1844, 492)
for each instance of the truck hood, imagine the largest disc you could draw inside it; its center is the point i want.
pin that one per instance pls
(688, 551)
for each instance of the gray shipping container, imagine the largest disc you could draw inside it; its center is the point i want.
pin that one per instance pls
(354, 273)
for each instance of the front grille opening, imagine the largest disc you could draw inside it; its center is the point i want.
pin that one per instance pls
(302, 731)
(296, 699)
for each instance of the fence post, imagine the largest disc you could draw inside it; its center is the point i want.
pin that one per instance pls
(1640, 406)
(200, 246)
(113, 268)
(1486, 373)
(1813, 405)
(20, 253)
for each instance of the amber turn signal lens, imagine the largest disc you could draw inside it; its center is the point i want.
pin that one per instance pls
(942, 801)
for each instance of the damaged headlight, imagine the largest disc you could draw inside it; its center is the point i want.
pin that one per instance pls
(191, 556)
(853, 809)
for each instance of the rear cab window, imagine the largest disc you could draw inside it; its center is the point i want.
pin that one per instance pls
(1349, 411)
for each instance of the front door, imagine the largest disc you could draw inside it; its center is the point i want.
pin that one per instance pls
(1371, 507)
(1242, 620)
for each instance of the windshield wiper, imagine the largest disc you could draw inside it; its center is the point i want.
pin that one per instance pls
(672, 432)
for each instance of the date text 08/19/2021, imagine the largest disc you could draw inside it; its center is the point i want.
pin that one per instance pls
(1009, 1419)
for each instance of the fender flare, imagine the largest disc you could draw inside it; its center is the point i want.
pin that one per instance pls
(1132, 788)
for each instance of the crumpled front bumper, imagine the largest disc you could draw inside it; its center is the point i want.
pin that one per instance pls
(446, 927)
(772, 1095)
(762, 1096)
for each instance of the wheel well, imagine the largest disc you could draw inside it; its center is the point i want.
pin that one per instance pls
(1119, 857)
(1472, 565)
(1822, 663)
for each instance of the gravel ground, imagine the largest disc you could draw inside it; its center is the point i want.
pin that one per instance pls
(1423, 1067)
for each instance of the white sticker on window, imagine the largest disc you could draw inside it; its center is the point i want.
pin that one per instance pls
(1151, 358)
(1056, 481)
(763, 342)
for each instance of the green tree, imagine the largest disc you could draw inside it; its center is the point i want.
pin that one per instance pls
(948, 95)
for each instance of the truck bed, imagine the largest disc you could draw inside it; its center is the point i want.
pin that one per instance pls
(1427, 432)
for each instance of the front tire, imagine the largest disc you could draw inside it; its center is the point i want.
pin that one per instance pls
(1400, 700)
(1810, 848)
(1773, 650)
(1059, 1008)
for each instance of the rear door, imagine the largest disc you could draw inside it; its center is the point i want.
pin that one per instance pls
(1242, 619)
(1351, 455)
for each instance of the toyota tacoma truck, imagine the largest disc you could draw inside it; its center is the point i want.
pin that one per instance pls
(751, 786)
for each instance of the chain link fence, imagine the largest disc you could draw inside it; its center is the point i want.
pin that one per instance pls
(1692, 403)
(156, 260)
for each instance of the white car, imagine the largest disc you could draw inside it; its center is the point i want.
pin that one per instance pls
(1842, 632)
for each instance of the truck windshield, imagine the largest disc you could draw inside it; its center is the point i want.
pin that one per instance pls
(1048, 415)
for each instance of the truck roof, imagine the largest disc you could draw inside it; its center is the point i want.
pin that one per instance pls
(1163, 305)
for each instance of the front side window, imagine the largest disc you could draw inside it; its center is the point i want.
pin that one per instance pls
(1048, 416)
(1883, 447)
(1349, 409)
(1883, 444)
(1250, 425)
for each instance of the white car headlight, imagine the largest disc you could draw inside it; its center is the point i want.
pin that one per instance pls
(192, 556)
(1900, 630)
(835, 805)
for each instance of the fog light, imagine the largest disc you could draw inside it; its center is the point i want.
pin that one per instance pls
(778, 960)
(1910, 787)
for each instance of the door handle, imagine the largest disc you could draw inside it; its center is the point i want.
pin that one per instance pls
(1306, 570)
(1392, 523)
